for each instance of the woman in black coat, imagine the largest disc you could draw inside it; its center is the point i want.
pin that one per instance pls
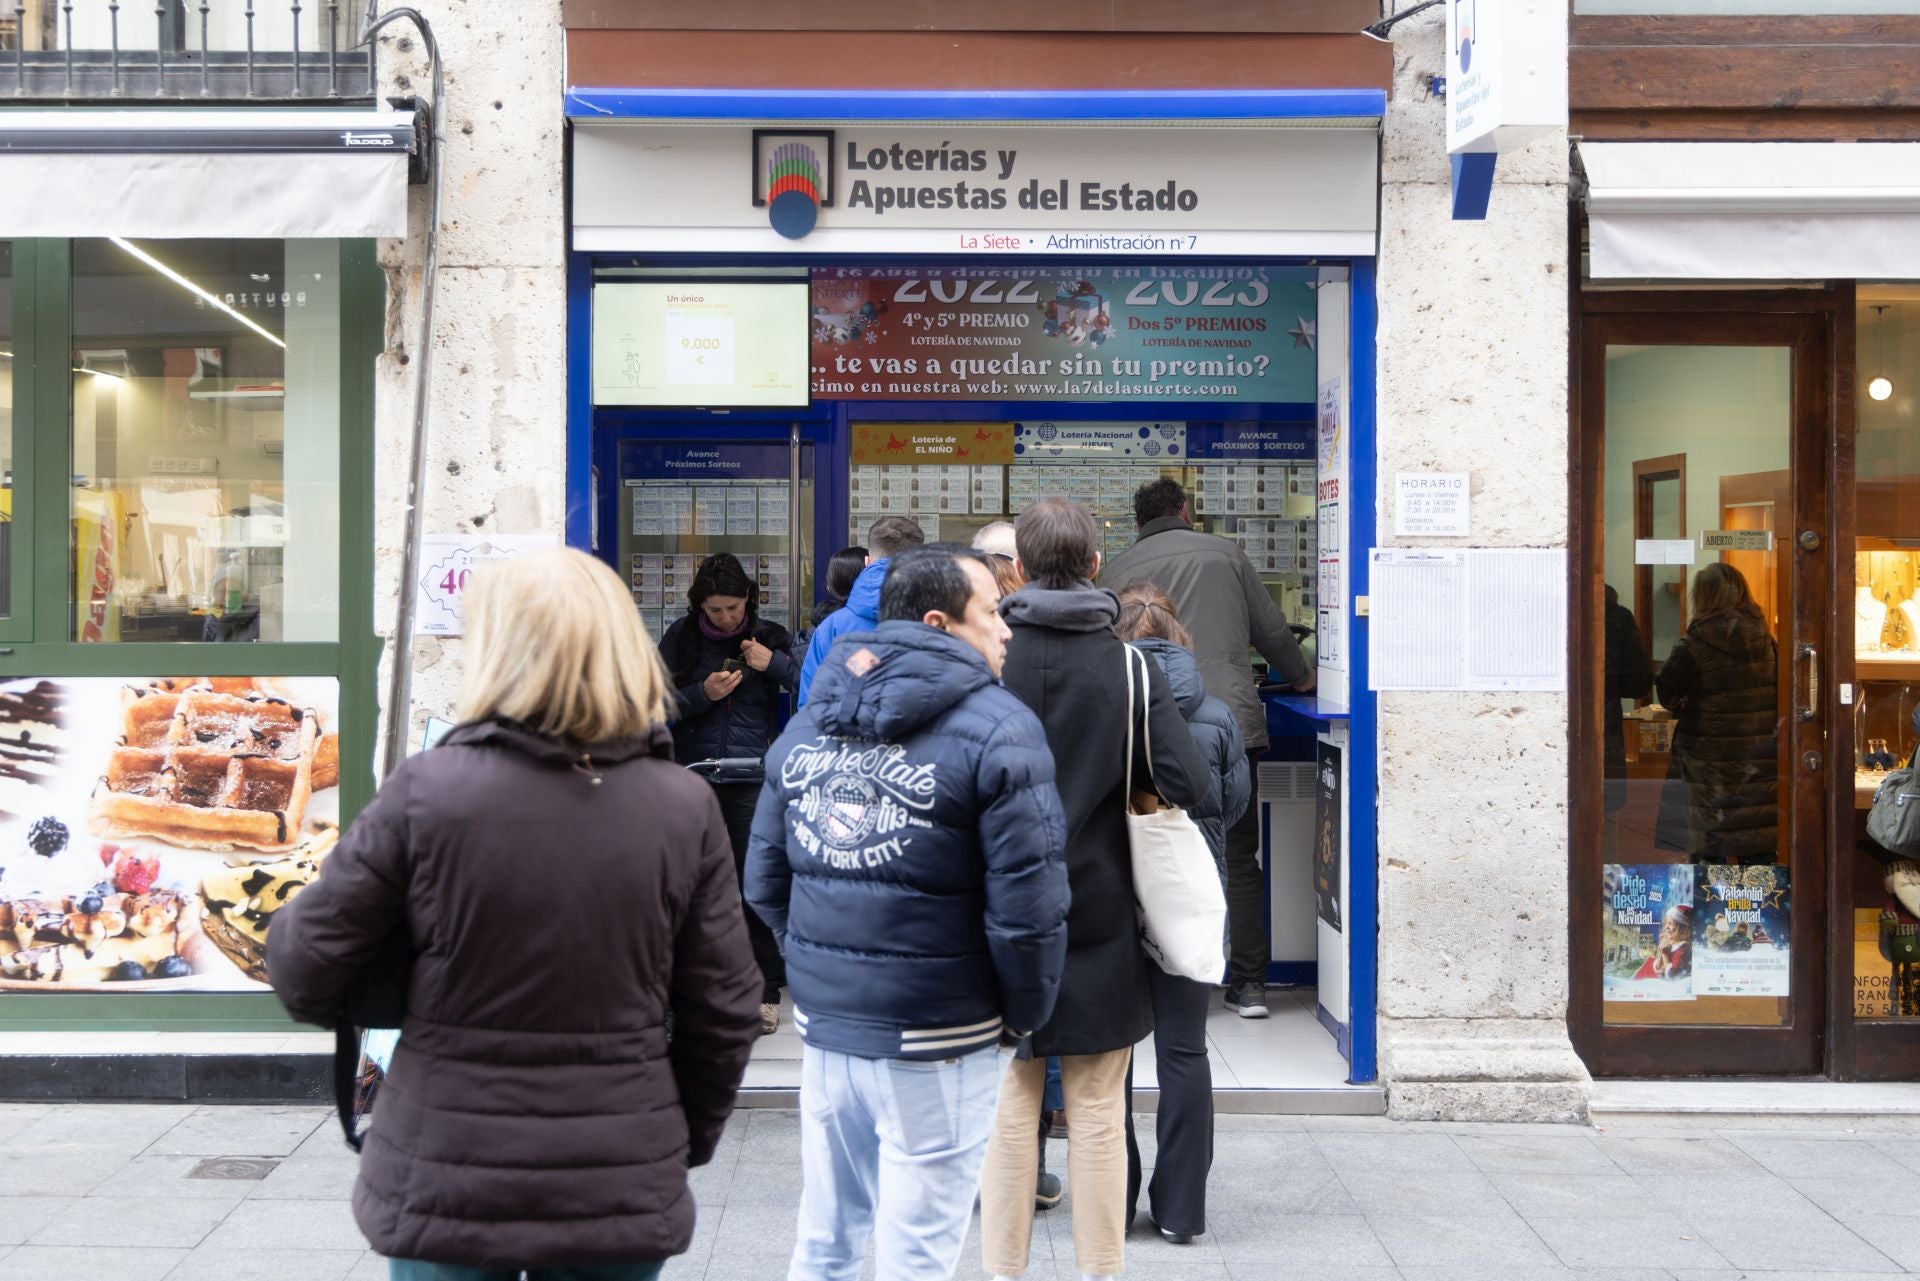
(729, 667)
(1721, 803)
(566, 890)
(1065, 662)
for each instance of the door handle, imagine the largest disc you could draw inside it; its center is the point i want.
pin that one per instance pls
(1807, 710)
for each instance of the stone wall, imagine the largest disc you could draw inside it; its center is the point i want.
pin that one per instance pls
(497, 411)
(1472, 790)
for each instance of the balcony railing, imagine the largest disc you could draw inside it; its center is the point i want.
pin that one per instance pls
(184, 50)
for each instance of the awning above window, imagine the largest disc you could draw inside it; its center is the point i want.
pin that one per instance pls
(176, 174)
(1753, 210)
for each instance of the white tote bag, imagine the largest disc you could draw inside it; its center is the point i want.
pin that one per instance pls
(1176, 887)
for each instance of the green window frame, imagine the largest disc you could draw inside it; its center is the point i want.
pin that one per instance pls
(34, 640)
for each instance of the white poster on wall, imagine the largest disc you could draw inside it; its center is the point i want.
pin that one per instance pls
(447, 563)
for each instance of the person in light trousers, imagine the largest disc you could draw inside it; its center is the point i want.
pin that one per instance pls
(1065, 662)
(908, 854)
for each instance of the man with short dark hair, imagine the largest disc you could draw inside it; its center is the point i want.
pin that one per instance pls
(1223, 604)
(908, 854)
(886, 538)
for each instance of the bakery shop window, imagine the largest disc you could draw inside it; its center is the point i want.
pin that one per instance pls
(206, 441)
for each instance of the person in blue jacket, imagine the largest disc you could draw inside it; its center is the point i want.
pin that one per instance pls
(886, 538)
(909, 853)
(1177, 1194)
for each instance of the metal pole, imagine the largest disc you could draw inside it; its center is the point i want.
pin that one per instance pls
(400, 684)
(333, 48)
(160, 45)
(793, 529)
(296, 48)
(113, 40)
(206, 86)
(250, 48)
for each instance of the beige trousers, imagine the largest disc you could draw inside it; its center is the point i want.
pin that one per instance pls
(1095, 1086)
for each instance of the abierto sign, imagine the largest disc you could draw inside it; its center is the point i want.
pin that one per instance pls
(1506, 73)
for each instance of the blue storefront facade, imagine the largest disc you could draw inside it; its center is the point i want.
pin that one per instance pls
(791, 312)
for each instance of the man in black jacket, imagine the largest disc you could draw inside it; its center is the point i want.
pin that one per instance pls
(907, 852)
(1065, 662)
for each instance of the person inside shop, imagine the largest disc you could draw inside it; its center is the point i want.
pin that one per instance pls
(842, 568)
(565, 888)
(729, 667)
(1219, 597)
(1177, 1195)
(996, 539)
(1720, 802)
(910, 853)
(886, 538)
(1629, 674)
(1065, 662)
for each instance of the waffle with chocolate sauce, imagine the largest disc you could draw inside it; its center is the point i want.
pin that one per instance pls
(215, 764)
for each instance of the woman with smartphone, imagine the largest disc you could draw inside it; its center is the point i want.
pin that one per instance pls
(729, 667)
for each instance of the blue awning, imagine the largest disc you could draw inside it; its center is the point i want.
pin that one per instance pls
(1302, 107)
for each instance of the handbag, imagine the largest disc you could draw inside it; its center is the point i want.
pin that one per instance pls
(1176, 886)
(376, 999)
(1894, 821)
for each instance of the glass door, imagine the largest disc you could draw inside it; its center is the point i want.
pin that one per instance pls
(1700, 865)
(679, 496)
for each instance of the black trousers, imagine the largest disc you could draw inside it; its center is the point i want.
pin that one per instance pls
(737, 801)
(1247, 945)
(1177, 1194)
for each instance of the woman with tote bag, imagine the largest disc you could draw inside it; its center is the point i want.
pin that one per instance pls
(1183, 1124)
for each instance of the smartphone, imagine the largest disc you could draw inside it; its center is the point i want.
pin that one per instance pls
(733, 664)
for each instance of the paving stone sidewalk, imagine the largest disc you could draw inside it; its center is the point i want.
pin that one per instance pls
(124, 1193)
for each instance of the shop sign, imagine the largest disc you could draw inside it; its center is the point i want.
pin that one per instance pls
(1329, 811)
(1099, 442)
(154, 826)
(1736, 540)
(952, 444)
(704, 460)
(1024, 189)
(1250, 442)
(1506, 73)
(449, 561)
(1094, 333)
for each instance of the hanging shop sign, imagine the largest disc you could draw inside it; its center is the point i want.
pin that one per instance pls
(1093, 333)
(1025, 190)
(1506, 87)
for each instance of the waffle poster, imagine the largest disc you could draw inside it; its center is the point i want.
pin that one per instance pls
(151, 828)
(1093, 333)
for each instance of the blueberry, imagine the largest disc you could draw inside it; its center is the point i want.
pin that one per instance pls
(101, 889)
(47, 836)
(172, 967)
(127, 972)
(91, 904)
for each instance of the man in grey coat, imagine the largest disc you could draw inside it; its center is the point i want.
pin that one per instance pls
(1221, 600)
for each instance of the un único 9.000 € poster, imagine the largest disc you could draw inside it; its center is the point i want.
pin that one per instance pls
(151, 828)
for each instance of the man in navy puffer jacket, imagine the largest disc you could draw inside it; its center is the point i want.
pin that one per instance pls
(908, 852)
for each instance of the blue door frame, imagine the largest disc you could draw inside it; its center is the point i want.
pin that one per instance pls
(591, 433)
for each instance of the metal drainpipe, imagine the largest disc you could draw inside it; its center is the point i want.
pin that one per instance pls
(400, 682)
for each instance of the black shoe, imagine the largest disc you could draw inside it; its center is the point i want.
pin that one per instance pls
(1250, 999)
(1047, 1192)
(1171, 1237)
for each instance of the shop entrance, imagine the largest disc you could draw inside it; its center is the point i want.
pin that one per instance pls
(1708, 684)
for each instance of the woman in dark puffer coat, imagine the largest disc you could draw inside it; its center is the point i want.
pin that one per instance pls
(1177, 1195)
(729, 667)
(566, 888)
(1721, 802)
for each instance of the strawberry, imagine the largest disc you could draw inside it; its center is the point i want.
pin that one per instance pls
(107, 853)
(134, 873)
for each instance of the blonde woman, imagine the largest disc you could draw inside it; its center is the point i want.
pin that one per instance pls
(565, 888)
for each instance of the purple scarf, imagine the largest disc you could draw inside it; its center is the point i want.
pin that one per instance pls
(707, 629)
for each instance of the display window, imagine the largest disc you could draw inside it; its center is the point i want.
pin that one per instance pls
(187, 663)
